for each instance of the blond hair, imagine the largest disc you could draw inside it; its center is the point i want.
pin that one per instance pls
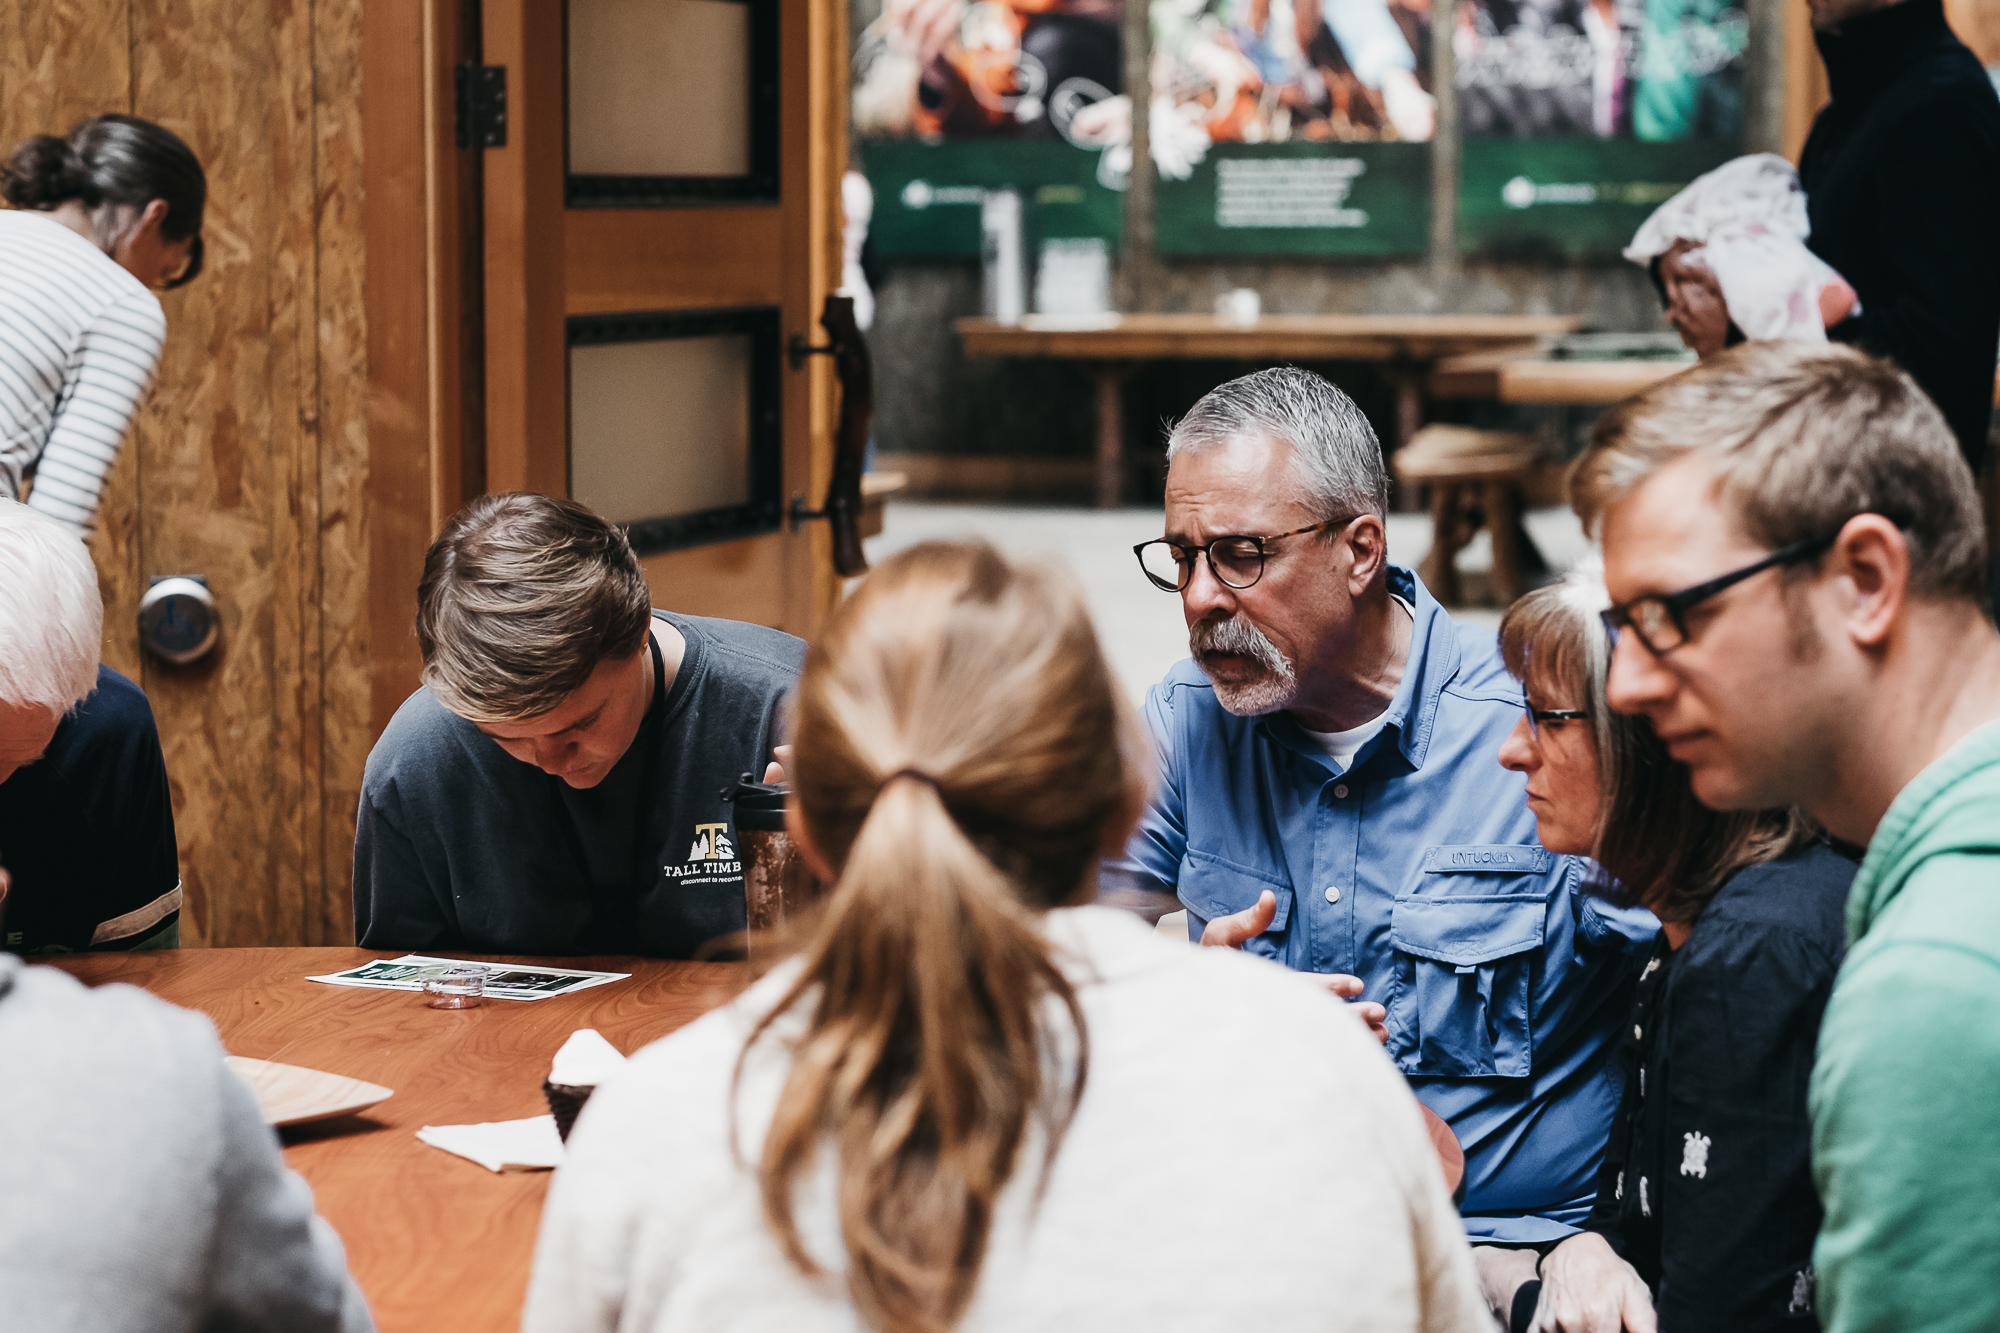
(51, 614)
(1802, 437)
(959, 749)
(522, 596)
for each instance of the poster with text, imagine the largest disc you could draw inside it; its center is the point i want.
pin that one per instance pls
(1291, 127)
(953, 98)
(1582, 116)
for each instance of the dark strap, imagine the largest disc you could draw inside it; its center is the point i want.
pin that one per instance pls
(615, 920)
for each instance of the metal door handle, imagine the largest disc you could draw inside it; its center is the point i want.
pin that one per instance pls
(852, 368)
(178, 619)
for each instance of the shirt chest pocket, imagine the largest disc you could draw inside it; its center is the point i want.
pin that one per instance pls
(1212, 887)
(1466, 937)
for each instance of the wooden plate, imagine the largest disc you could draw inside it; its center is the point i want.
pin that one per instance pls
(291, 1095)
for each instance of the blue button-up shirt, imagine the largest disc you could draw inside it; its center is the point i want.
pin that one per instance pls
(1417, 870)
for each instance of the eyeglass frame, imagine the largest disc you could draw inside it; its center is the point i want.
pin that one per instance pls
(1537, 716)
(1208, 550)
(1678, 604)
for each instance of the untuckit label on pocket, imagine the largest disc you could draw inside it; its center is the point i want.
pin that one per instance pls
(1492, 859)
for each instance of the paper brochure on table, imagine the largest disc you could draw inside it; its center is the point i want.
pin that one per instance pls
(505, 982)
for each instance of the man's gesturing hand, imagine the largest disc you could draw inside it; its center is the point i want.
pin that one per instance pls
(1229, 932)
(1587, 1288)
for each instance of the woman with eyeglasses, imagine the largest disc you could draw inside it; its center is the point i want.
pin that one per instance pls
(973, 1099)
(1706, 1211)
(98, 219)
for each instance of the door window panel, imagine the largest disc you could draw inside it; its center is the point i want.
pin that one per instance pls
(671, 102)
(674, 426)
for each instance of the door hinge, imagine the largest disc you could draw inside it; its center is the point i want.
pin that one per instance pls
(482, 106)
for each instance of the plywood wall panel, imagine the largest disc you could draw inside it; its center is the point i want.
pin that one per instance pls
(228, 455)
(60, 61)
(342, 617)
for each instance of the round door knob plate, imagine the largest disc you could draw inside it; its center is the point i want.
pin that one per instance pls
(178, 619)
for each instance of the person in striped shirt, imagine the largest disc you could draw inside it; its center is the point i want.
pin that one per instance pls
(98, 219)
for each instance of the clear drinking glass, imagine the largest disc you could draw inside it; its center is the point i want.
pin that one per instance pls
(459, 986)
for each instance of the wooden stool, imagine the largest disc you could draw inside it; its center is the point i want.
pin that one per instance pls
(1475, 477)
(876, 488)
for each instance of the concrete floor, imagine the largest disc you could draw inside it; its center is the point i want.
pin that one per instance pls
(1141, 627)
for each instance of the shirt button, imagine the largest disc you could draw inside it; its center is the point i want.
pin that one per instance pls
(1332, 893)
(1340, 791)
(1636, 1034)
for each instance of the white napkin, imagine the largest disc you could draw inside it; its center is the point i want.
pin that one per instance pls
(501, 1145)
(585, 1060)
(1749, 217)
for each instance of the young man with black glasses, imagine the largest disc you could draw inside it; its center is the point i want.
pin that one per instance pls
(1329, 799)
(1796, 555)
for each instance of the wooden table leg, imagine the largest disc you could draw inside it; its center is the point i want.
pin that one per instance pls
(1503, 525)
(1110, 378)
(1407, 378)
(1440, 568)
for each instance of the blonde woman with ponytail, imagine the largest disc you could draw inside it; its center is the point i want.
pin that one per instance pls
(971, 1101)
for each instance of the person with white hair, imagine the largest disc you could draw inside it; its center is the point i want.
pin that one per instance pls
(141, 1189)
(86, 822)
(1328, 799)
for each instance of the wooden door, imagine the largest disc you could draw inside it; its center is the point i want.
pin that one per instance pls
(246, 464)
(660, 223)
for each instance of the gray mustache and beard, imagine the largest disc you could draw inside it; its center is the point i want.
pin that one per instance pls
(1270, 687)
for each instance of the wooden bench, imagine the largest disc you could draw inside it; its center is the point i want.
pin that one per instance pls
(1476, 477)
(876, 488)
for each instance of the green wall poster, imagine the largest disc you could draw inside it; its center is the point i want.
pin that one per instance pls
(1298, 198)
(1293, 128)
(928, 195)
(1580, 117)
(1570, 197)
(955, 98)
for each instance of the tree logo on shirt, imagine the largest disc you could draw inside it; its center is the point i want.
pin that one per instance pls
(1694, 1157)
(711, 843)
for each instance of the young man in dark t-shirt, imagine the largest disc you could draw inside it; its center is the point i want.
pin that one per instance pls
(86, 822)
(556, 786)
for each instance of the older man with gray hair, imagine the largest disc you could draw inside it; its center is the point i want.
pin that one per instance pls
(1330, 798)
(86, 819)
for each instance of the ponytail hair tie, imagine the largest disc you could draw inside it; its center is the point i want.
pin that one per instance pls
(917, 774)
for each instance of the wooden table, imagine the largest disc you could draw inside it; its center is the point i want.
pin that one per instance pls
(1111, 348)
(1528, 375)
(435, 1241)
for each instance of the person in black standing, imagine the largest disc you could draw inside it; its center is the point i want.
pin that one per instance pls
(556, 786)
(1902, 181)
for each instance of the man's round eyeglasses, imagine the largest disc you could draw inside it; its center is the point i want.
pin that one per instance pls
(1236, 561)
(1660, 619)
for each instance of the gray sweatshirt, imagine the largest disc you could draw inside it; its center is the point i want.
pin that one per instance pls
(140, 1190)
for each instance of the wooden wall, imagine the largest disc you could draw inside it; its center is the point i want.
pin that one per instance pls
(247, 464)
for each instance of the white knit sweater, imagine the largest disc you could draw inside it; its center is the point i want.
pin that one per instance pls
(1245, 1157)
